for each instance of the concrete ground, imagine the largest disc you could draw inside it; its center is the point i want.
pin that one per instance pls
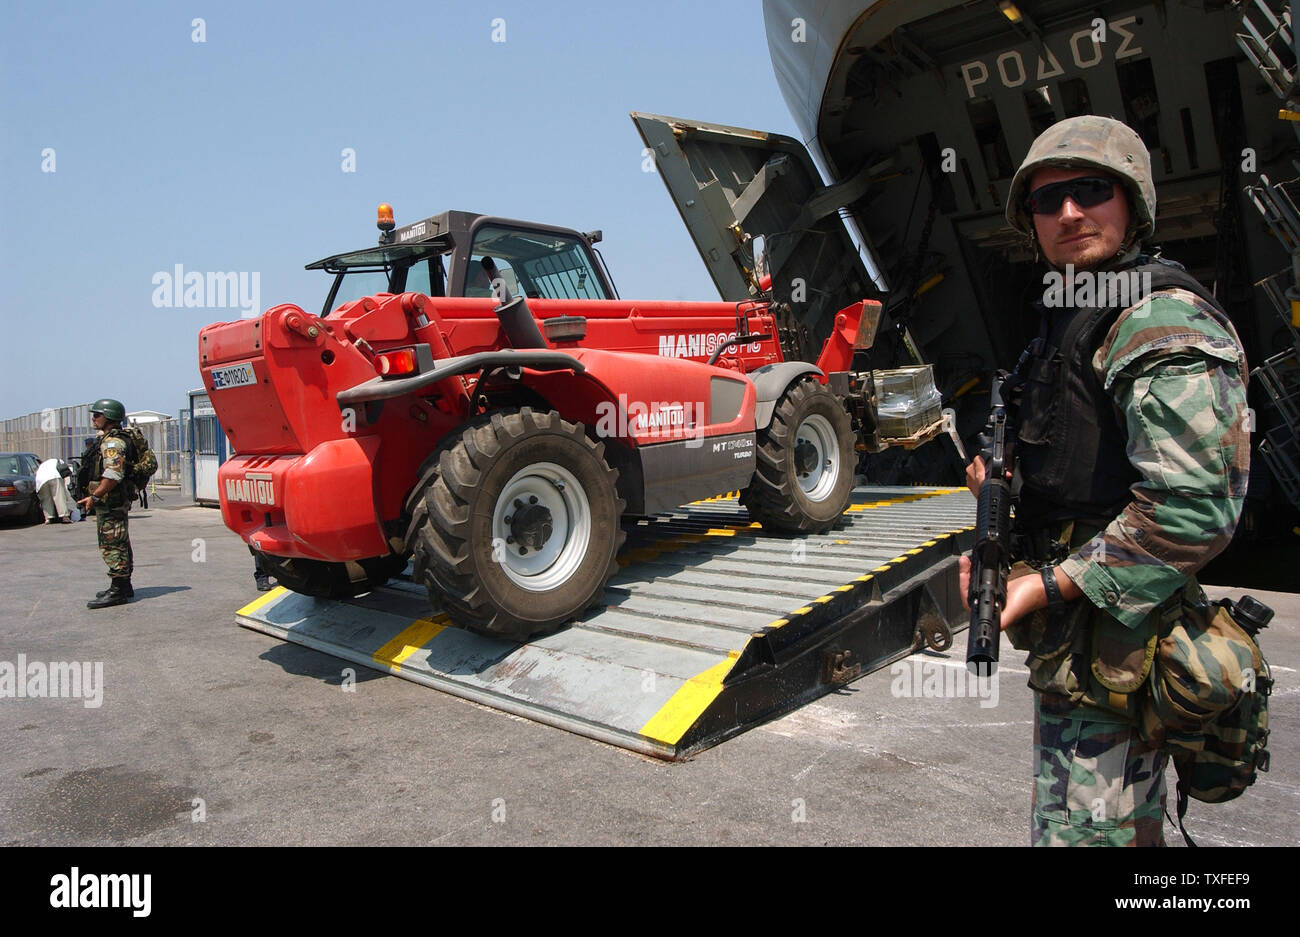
(212, 734)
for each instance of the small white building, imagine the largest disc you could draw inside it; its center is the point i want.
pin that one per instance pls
(208, 448)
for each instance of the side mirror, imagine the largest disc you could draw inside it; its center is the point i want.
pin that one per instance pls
(761, 276)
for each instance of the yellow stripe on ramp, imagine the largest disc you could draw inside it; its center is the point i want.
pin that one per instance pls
(872, 505)
(262, 600)
(651, 551)
(685, 706)
(409, 641)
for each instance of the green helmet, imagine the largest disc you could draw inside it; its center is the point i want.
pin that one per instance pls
(1089, 143)
(112, 409)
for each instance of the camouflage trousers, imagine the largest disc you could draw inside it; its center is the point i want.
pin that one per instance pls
(114, 542)
(1095, 784)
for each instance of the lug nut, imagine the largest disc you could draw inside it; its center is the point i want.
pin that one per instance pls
(523, 550)
(509, 519)
(532, 499)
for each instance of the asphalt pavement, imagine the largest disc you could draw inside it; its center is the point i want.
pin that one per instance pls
(203, 732)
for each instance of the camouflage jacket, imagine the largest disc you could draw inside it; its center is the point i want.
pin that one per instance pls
(1175, 372)
(111, 463)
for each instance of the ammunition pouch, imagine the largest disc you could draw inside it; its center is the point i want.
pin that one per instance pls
(1079, 651)
(1085, 655)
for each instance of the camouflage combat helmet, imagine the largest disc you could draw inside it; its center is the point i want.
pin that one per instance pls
(112, 409)
(1089, 143)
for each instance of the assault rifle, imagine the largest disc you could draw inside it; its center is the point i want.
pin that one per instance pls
(85, 465)
(991, 556)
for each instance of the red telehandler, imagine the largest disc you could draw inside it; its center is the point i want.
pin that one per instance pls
(475, 396)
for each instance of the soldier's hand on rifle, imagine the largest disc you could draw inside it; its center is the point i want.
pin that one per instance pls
(963, 578)
(975, 478)
(1015, 591)
(975, 475)
(1025, 592)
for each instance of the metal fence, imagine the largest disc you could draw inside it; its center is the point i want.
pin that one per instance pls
(165, 440)
(60, 433)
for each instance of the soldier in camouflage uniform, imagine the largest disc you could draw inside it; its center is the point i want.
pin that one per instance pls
(1133, 455)
(108, 494)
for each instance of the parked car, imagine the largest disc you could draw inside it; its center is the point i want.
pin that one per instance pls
(18, 486)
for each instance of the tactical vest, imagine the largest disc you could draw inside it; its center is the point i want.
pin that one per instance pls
(1072, 444)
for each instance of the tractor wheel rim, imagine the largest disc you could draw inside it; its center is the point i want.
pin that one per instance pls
(817, 433)
(554, 489)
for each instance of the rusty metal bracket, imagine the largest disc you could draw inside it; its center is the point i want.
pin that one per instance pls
(836, 668)
(935, 633)
(931, 625)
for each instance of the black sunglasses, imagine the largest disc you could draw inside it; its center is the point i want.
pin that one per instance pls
(1086, 193)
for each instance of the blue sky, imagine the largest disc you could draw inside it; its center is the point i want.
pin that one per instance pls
(227, 154)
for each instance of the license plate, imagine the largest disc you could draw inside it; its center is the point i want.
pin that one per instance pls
(237, 375)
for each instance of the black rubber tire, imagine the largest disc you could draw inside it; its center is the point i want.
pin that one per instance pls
(775, 498)
(35, 513)
(454, 509)
(325, 580)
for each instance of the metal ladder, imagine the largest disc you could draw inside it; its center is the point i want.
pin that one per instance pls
(1269, 43)
(1274, 202)
(1267, 38)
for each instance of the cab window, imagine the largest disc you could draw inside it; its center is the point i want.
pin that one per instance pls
(537, 264)
(418, 277)
(358, 283)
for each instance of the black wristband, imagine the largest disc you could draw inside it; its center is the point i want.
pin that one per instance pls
(1054, 599)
